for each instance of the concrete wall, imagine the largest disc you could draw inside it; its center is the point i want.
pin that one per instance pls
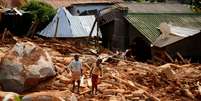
(115, 30)
(120, 36)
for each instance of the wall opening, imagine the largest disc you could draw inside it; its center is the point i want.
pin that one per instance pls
(141, 50)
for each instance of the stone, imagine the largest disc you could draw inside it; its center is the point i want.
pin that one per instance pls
(115, 98)
(168, 71)
(9, 96)
(45, 96)
(122, 63)
(170, 74)
(24, 66)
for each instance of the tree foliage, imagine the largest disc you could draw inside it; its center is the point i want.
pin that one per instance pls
(42, 12)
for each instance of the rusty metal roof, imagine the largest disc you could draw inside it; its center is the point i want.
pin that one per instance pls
(60, 3)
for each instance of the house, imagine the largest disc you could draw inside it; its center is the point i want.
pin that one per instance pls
(114, 23)
(83, 7)
(88, 9)
(66, 25)
(16, 21)
(144, 30)
(114, 27)
(141, 16)
(66, 3)
(175, 41)
(158, 8)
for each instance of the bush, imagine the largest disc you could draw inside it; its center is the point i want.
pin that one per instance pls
(42, 12)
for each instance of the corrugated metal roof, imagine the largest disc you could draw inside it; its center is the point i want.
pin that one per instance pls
(147, 23)
(61, 3)
(158, 8)
(176, 34)
(66, 25)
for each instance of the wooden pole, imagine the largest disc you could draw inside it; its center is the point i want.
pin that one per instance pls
(133, 86)
(56, 30)
(169, 57)
(181, 57)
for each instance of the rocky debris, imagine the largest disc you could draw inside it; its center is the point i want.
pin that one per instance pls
(47, 96)
(168, 71)
(24, 66)
(123, 80)
(9, 96)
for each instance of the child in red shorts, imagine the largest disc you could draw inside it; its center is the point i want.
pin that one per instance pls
(95, 72)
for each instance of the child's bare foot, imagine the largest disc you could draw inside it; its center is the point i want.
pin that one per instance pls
(92, 93)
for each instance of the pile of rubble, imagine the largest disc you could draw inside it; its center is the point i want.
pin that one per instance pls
(122, 80)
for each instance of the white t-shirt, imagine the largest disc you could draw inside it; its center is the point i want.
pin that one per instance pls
(75, 66)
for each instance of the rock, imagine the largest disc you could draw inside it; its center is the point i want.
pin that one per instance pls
(24, 66)
(9, 96)
(170, 74)
(168, 71)
(73, 97)
(199, 87)
(115, 98)
(188, 93)
(63, 79)
(138, 93)
(122, 63)
(45, 96)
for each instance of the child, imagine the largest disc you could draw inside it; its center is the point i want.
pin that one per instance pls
(95, 72)
(76, 69)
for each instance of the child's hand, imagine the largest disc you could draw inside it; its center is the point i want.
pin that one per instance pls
(101, 76)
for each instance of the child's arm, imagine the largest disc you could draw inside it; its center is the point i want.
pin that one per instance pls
(67, 68)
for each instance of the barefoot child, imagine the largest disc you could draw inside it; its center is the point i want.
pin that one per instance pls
(95, 72)
(76, 69)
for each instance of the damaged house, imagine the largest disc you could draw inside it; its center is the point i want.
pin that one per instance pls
(144, 32)
(135, 25)
(66, 25)
(82, 7)
(114, 27)
(178, 42)
(144, 20)
(16, 21)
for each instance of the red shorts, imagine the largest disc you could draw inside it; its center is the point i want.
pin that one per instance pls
(95, 79)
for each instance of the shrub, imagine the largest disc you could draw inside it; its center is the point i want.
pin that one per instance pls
(42, 12)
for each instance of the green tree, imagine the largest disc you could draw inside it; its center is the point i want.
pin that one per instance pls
(42, 14)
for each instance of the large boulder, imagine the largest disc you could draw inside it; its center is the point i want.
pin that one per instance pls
(24, 66)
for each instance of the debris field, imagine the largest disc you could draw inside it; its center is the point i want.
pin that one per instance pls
(122, 80)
